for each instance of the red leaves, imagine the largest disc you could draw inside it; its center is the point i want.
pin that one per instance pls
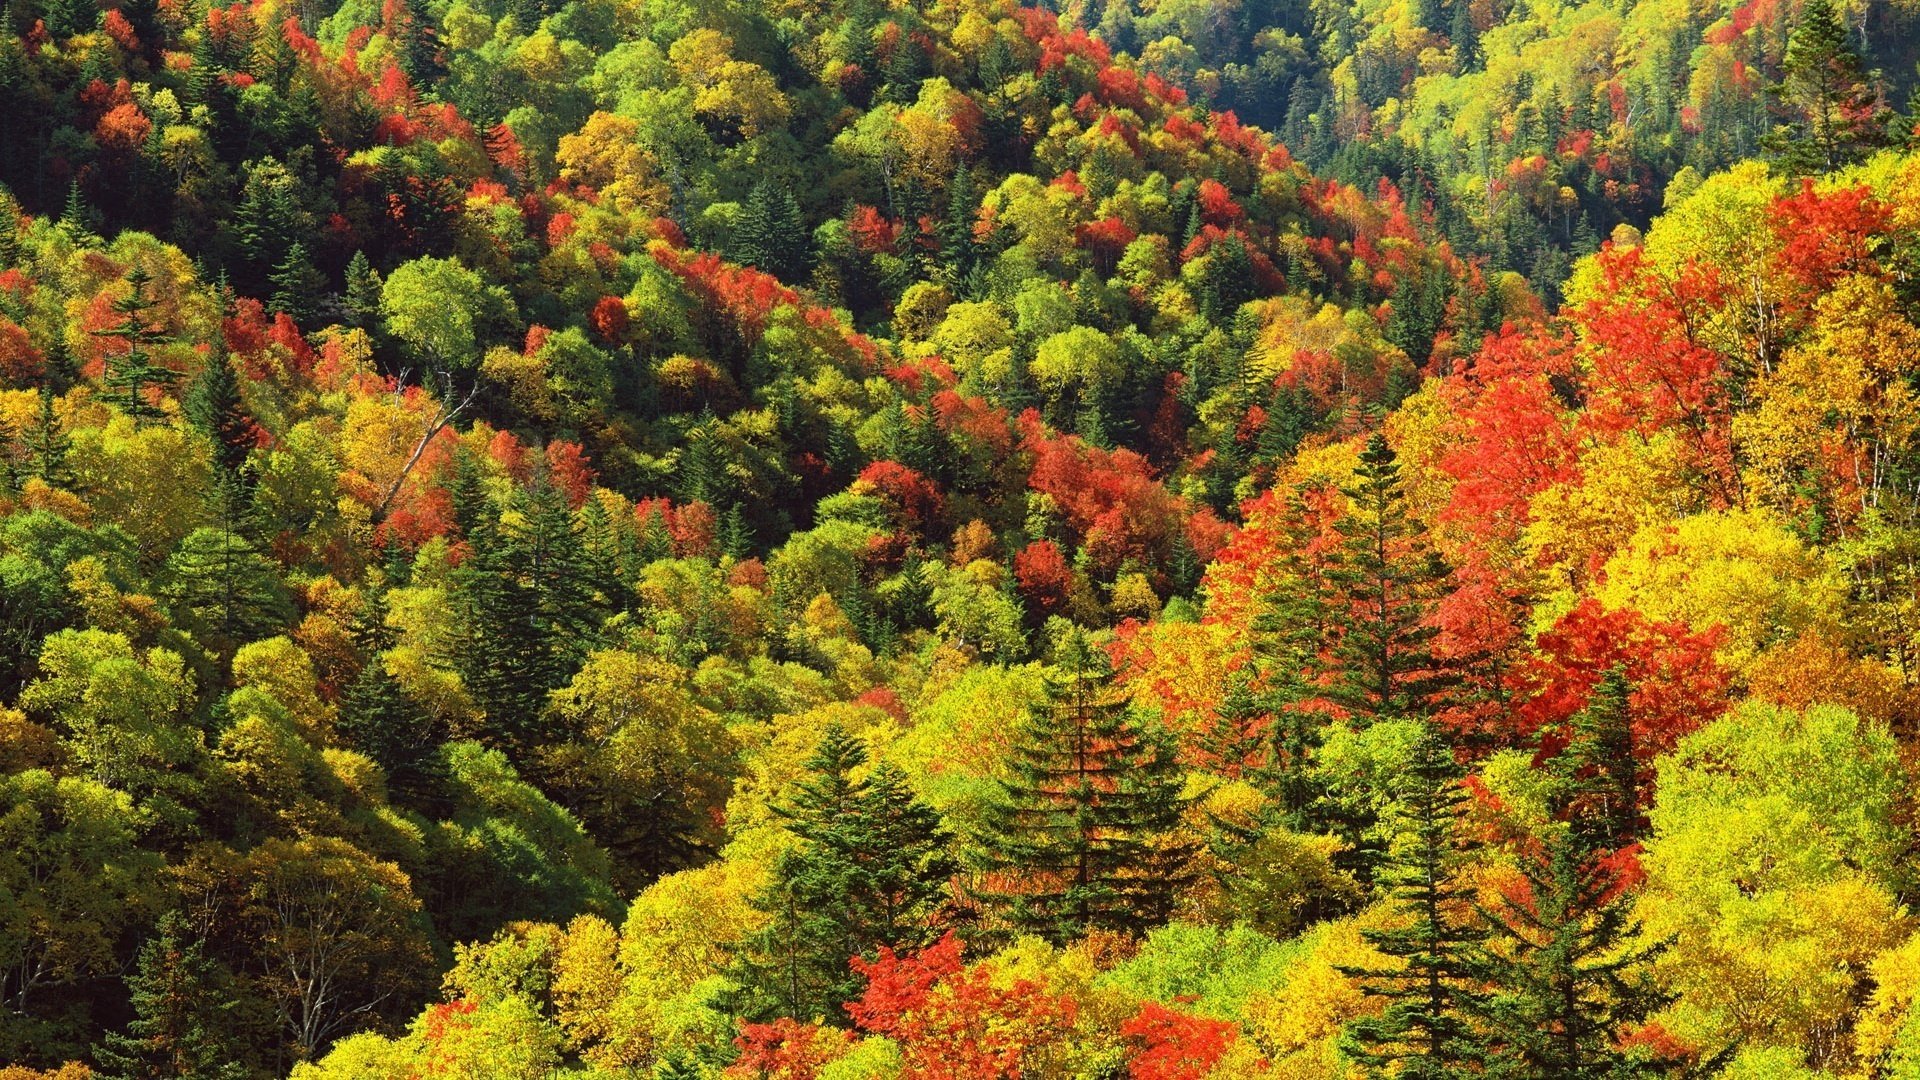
(953, 1023)
(1827, 235)
(1174, 1045)
(1105, 240)
(609, 319)
(1112, 500)
(1677, 683)
(916, 500)
(786, 1050)
(1516, 437)
(872, 232)
(1044, 575)
(568, 468)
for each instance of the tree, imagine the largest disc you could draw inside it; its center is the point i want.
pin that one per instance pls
(222, 586)
(1081, 834)
(183, 1025)
(47, 444)
(771, 234)
(870, 869)
(1836, 116)
(1568, 970)
(214, 406)
(1387, 581)
(297, 284)
(1426, 1031)
(131, 370)
(379, 718)
(363, 290)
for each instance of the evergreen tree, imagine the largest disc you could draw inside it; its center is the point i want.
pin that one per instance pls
(379, 718)
(214, 406)
(183, 1024)
(363, 291)
(47, 444)
(218, 583)
(771, 234)
(11, 471)
(130, 368)
(959, 249)
(297, 285)
(1426, 1031)
(1083, 824)
(530, 612)
(1837, 115)
(1388, 579)
(869, 870)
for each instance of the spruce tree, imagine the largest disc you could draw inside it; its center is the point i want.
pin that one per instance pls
(215, 408)
(363, 291)
(222, 586)
(379, 718)
(1082, 827)
(131, 370)
(183, 1024)
(772, 234)
(77, 218)
(1426, 1031)
(959, 250)
(1388, 579)
(297, 285)
(1837, 115)
(47, 445)
(868, 870)
(1567, 969)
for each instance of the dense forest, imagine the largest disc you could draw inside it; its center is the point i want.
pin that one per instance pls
(950, 540)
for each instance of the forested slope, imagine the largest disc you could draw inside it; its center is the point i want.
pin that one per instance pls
(960, 540)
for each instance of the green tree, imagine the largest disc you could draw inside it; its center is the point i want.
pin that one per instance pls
(771, 233)
(214, 406)
(184, 1023)
(870, 869)
(1426, 1030)
(297, 284)
(1837, 116)
(47, 444)
(1083, 826)
(1387, 580)
(131, 369)
(217, 582)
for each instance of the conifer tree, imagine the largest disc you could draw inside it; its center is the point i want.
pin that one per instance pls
(297, 284)
(76, 218)
(1426, 1031)
(363, 291)
(1567, 968)
(1837, 114)
(869, 869)
(772, 234)
(130, 368)
(183, 1024)
(47, 444)
(1388, 579)
(1082, 828)
(214, 406)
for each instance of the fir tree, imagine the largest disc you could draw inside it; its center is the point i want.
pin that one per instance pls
(1083, 824)
(959, 250)
(214, 406)
(183, 1024)
(47, 445)
(869, 870)
(1426, 1030)
(379, 718)
(220, 584)
(131, 370)
(297, 285)
(1837, 115)
(363, 291)
(771, 234)
(1388, 579)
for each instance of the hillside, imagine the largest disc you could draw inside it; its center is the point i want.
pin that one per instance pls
(864, 540)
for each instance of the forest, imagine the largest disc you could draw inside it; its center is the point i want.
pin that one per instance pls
(956, 540)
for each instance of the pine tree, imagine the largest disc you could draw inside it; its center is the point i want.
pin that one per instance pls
(1426, 1031)
(131, 370)
(869, 870)
(297, 285)
(959, 250)
(1083, 824)
(214, 406)
(1838, 116)
(1388, 579)
(11, 471)
(184, 1005)
(47, 445)
(222, 586)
